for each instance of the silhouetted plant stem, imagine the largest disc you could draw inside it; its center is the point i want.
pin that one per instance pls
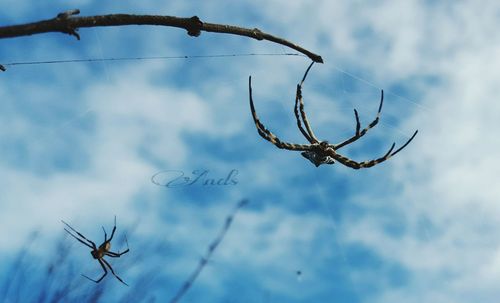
(211, 248)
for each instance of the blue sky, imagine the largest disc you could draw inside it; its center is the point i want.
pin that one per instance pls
(81, 141)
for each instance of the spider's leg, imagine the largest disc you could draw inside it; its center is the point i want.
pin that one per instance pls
(297, 117)
(299, 105)
(105, 234)
(113, 231)
(404, 145)
(357, 165)
(343, 160)
(112, 271)
(80, 240)
(103, 275)
(91, 245)
(365, 164)
(261, 129)
(268, 135)
(118, 254)
(370, 163)
(361, 133)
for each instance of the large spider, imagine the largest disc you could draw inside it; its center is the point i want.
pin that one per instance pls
(101, 251)
(321, 152)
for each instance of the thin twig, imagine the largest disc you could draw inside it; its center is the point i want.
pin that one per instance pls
(67, 23)
(211, 248)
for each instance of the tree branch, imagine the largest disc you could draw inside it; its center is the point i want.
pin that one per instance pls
(68, 24)
(211, 249)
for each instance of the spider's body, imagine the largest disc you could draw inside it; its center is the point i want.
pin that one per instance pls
(321, 152)
(100, 252)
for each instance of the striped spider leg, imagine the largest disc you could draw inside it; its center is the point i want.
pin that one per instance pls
(322, 152)
(100, 252)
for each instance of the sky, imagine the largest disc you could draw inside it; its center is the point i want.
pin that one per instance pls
(83, 142)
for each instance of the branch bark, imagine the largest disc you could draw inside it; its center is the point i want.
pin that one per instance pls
(66, 23)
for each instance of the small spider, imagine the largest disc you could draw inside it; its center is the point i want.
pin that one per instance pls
(101, 251)
(321, 152)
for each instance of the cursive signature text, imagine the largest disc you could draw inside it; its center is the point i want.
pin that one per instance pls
(177, 178)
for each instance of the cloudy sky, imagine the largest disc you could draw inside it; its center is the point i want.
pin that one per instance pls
(81, 142)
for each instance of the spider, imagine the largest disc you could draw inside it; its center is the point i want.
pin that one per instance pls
(101, 251)
(321, 152)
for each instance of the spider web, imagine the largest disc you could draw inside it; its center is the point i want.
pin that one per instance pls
(364, 94)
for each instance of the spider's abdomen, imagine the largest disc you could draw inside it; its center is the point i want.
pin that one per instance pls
(101, 251)
(95, 254)
(316, 158)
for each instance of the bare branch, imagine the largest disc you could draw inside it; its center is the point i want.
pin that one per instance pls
(211, 249)
(66, 23)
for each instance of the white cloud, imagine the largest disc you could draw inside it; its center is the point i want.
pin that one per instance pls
(449, 173)
(129, 114)
(443, 189)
